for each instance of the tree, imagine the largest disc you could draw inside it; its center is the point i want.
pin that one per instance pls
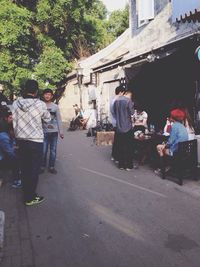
(52, 67)
(118, 22)
(15, 31)
(42, 38)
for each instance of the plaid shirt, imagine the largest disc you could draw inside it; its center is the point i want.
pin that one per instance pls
(28, 114)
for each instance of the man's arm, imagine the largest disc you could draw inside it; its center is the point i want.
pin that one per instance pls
(172, 137)
(59, 121)
(131, 107)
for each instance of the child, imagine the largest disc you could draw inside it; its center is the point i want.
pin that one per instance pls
(51, 131)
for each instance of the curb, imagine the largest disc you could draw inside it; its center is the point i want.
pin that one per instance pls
(2, 223)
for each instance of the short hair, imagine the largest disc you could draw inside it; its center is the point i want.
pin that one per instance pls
(128, 91)
(47, 91)
(177, 115)
(119, 89)
(31, 87)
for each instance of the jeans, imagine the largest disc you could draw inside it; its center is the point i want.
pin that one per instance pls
(31, 156)
(8, 155)
(50, 140)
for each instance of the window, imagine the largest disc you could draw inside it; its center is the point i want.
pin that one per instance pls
(145, 11)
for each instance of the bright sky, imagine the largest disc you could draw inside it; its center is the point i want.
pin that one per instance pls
(114, 4)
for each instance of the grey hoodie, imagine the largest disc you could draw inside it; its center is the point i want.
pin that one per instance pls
(28, 114)
(55, 125)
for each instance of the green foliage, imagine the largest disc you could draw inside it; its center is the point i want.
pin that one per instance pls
(41, 38)
(118, 22)
(15, 25)
(7, 67)
(52, 67)
(98, 10)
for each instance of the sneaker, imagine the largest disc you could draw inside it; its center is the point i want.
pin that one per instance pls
(157, 172)
(17, 184)
(121, 168)
(128, 169)
(35, 201)
(116, 161)
(112, 158)
(52, 170)
(135, 165)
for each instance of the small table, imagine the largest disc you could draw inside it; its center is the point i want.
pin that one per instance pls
(146, 145)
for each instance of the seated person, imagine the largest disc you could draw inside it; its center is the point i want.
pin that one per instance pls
(76, 109)
(7, 147)
(89, 118)
(188, 124)
(139, 119)
(178, 134)
(167, 128)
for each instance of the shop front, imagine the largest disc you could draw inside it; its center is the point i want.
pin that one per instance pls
(170, 79)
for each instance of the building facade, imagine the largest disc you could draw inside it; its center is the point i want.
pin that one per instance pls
(155, 56)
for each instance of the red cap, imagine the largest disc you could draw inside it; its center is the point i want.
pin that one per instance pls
(177, 114)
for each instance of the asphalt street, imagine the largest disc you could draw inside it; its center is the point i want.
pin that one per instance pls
(96, 215)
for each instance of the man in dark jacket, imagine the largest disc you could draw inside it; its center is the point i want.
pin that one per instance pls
(123, 110)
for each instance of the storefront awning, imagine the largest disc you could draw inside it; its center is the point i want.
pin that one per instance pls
(150, 56)
(182, 10)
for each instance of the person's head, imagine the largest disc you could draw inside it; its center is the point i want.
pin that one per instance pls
(177, 115)
(7, 116)
(119, 90)
(31, 87)
(47, 95)
(139, 107)
(128, 93)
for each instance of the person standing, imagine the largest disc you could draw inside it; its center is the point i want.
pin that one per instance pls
(123, 110)
(51, 131)
(119, 91)
(28, 113)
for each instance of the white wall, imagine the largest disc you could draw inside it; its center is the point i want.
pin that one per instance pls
(158, 31)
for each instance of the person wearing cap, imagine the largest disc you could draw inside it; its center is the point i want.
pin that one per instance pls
(178, 133)
(52, 129)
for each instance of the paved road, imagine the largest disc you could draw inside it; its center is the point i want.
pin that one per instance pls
(98, 216)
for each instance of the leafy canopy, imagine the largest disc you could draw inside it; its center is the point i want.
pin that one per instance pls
(41, 38)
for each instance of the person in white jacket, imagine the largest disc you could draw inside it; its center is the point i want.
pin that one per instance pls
(28, 114)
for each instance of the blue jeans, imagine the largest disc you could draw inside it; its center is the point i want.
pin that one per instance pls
(50, 140)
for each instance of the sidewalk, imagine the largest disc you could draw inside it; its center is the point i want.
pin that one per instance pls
(17, 248)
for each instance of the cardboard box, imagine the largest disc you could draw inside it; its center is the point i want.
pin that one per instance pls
(105, 138)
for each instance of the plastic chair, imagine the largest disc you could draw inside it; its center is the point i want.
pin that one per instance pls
(183, 162)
